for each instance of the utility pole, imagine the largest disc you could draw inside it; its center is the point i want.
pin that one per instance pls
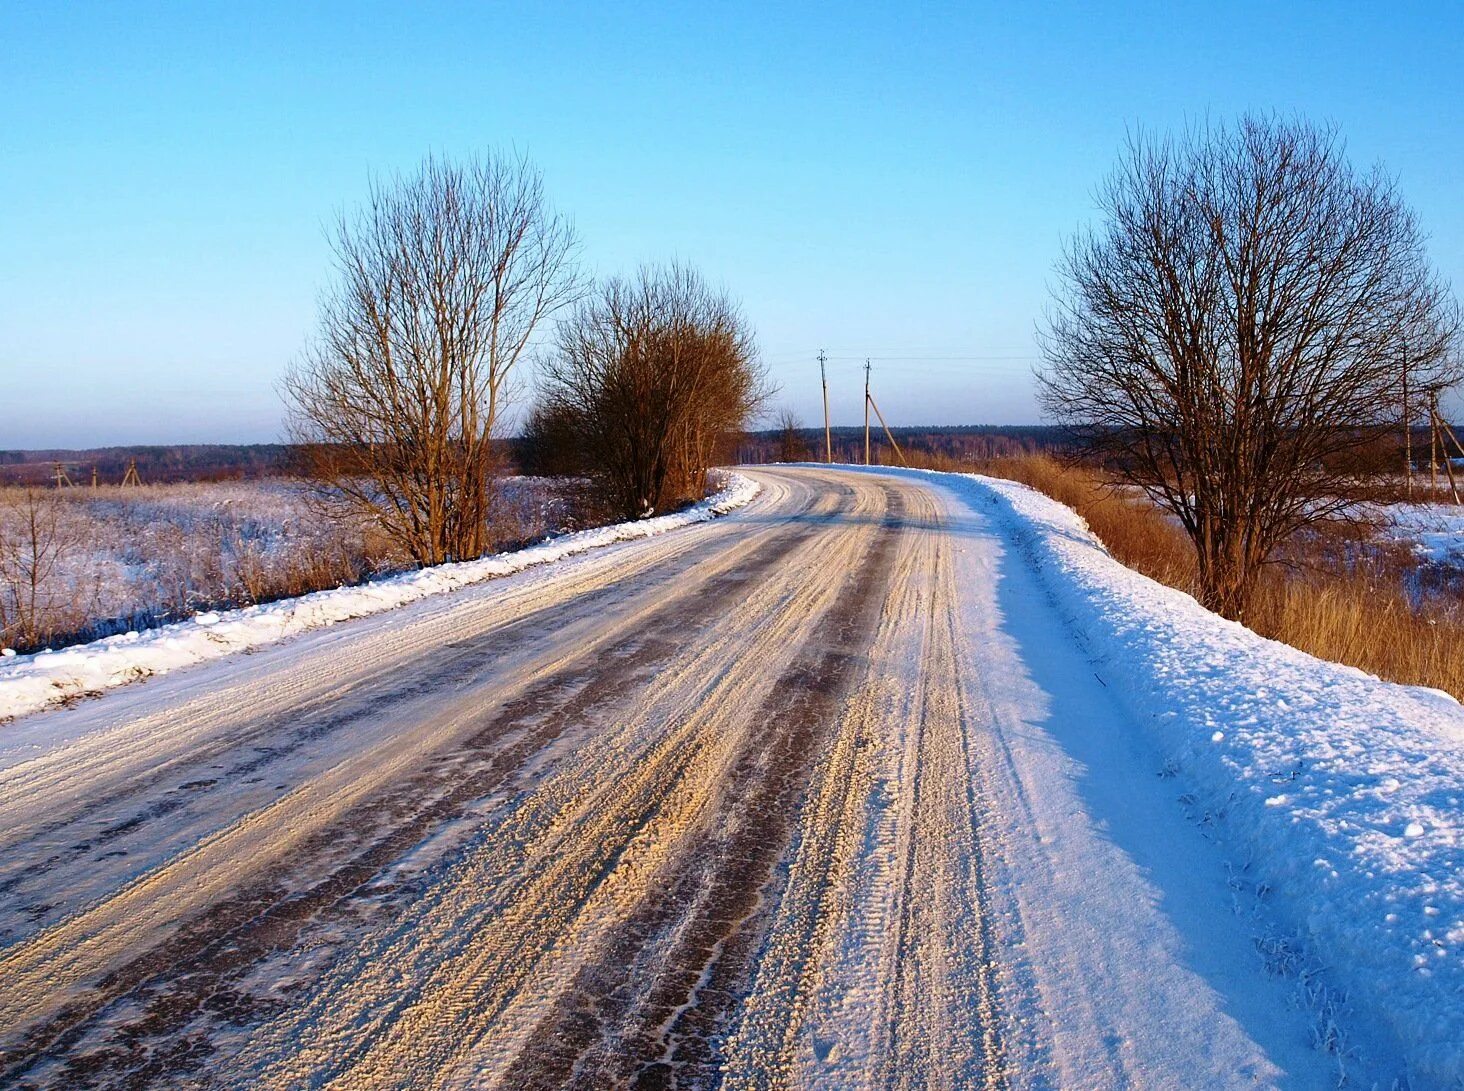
(1446, 435)
(1433, 445)
(888, 434)
(823, 376)
(1407, 427)
(1439, 435)
(866, 411)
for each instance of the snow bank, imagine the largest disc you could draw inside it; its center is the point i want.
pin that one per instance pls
(32, 682)
(1337, 795)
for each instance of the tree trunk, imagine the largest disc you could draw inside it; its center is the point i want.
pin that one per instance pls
(1228, 570)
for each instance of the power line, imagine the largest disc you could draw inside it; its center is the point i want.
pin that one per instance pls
(917, 359)
(793, 355)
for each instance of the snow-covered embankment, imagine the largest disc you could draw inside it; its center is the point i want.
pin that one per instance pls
(29, 683)
(1337, 795)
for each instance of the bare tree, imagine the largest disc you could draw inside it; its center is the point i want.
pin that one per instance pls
(1234, 337)
(36, 542)
(651, 379)
(442, 279)
(792, 446)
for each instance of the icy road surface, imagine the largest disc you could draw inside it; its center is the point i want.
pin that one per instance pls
(820, 794)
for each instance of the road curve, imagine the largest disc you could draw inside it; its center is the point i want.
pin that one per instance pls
(695, 812)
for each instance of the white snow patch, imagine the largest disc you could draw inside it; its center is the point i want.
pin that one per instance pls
(1434, 531)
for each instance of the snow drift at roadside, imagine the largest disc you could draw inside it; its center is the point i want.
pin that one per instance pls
(32, 682)
(1336, 795)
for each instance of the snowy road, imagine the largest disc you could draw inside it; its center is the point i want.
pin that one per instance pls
(805, 796)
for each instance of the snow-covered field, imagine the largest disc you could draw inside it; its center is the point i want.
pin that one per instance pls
(130, 558)
(1434, 531)
(888, 778)
(124, 559)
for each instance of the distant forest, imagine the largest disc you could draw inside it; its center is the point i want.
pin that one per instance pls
(158, 465)
(974, 442)
(232, 462)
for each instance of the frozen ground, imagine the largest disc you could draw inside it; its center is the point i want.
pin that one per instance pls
(883, 780)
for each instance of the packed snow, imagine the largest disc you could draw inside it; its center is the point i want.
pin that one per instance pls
(32, 682)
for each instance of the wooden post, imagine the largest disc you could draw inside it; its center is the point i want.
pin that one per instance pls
(1449, 436)
(1407, 429)
(866, 412)
(1444, 433)
(1433, 446)
(828, 438)
(890, 435)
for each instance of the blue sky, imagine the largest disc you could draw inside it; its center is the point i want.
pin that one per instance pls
(883, 180)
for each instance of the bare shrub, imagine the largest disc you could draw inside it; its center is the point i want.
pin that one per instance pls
(652, 379)
(549, 445)
(442, 279)
(1233, 340)
(36, 541)
(792, 444)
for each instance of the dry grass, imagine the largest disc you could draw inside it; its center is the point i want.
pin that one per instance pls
(1364, 622)
(1345, 601)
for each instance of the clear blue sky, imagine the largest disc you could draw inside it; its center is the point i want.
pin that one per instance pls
(887, 180)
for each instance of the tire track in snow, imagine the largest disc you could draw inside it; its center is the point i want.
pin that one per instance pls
(693, 939)
(447, 1000)
(280, 747)
(105, 768)
(877, 973)
(939, 1020)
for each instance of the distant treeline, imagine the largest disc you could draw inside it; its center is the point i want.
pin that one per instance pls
(228, 462)
(156, 465)
(965, 442)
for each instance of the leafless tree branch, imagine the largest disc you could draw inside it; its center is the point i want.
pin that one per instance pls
(442, 279)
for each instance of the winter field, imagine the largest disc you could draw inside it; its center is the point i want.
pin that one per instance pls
(114, 560)
(1433, 532)
(886, 778)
